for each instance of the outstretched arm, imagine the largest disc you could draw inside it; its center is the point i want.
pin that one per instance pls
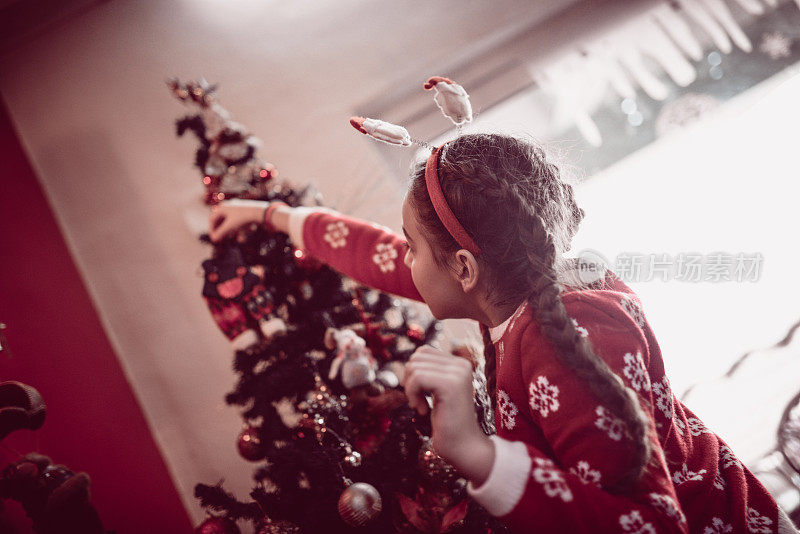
(364, 251)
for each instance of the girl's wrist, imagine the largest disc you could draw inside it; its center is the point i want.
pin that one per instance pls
(276, 216)
(476, 459)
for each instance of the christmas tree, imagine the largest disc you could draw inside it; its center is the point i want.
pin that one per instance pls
(320, 363)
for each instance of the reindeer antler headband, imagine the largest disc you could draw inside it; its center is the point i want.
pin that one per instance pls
(453, 100)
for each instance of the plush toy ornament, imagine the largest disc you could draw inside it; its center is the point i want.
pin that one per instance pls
(355, 359)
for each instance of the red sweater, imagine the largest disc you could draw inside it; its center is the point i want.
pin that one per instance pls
(557, 446)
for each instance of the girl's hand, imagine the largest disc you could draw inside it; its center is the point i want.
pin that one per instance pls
(456, 435)
(230, 215)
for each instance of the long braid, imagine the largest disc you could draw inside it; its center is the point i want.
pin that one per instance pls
(490, 367)
(576, 351)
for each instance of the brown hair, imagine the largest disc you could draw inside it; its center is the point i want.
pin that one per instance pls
(523, 215)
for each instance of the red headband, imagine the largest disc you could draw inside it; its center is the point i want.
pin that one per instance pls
(440, 204)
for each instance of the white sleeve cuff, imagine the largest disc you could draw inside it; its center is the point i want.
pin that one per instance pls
(297, 218)
(501, 492)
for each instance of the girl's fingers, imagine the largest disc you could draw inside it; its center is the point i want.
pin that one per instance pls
(449, 376)
(417, 370)
(427, 349)
(453, 373)
(214, 218)
(433, 378)
(218, 231)
(433, 362)
(231, 214)
(423, 365)
(426, 352)
(418, 384)
(222, 224)
(215, 222)
(444, 360)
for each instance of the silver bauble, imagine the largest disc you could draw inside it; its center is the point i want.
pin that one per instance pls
(359, 504)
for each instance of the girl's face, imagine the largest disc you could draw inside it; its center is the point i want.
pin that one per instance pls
(437, 285)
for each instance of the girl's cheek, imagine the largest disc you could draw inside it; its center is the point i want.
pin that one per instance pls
(407, 258)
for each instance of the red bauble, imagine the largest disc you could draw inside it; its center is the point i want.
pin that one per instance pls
(217, 525)
(268, 172)
(416, 332)
(250, 444)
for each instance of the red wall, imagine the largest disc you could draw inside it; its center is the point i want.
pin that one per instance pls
(94, 423)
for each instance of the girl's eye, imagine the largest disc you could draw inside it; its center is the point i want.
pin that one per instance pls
(406, 245)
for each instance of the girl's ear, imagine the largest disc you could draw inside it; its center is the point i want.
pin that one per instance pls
(467, 270)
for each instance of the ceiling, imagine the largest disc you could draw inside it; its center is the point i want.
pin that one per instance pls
(22, 20)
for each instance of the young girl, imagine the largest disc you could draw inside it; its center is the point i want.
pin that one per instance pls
(589, 435)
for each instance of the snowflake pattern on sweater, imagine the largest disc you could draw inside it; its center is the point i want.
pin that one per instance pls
(635, 372)
(336, 234)
(559, 444)
(543, 396)
(757, 522)
(634, 524)
(667, 506)
(384, 257)
(717, 526)
(551, 478)
(586, 473)
(507, 410)
(684, 475)
(663, 397)
(613, 426)
(634, 310)
(581, 330)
